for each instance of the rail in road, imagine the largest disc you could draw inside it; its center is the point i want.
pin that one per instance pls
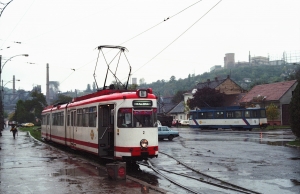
(203, 178)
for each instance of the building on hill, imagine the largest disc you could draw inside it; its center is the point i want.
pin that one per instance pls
(233, 93)
(215, 68)
(279, 93)
(229, 60)
(226, 86)
(259, 60)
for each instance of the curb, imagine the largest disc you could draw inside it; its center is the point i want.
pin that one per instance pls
(103, 168)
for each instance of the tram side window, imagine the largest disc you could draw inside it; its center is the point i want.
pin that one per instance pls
(210, 115)
(230, 114)
(263, 113)
(202, 115)
(193, 116)
(92, 114)
(85, 117)
(247, 114)
(79, 117)
(255, 114)
(238, 114)
(219, 114)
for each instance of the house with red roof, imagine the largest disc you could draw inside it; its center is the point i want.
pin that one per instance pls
(233, 94)
(279, 93)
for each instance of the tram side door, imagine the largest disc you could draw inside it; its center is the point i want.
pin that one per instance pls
(105, 130)
(72, 128)
(48, 127)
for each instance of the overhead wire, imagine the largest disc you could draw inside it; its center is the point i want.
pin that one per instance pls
(148, 29)
(17, 23)
(178, 36)
(161, 22)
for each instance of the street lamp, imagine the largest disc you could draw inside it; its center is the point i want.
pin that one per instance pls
(17, 80)
(1, 103)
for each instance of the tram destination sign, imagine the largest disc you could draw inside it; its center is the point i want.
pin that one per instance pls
(142, 103)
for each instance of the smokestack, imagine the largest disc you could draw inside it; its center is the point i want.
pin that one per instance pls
(47, 83)
(14, 90)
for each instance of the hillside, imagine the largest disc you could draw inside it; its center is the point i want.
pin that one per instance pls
(246, 77)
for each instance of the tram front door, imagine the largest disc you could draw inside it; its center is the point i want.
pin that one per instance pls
(106, 130)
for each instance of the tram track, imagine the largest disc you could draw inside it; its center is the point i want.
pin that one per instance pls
(203, 178)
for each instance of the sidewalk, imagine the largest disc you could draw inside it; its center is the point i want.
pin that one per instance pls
(30, 166)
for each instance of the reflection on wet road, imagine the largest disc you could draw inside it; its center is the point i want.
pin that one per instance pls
(259, 161)
(29, 166)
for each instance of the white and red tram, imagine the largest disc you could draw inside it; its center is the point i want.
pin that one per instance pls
(108, 123)
(116, 123)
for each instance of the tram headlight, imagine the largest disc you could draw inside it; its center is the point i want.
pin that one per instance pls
(144, 143)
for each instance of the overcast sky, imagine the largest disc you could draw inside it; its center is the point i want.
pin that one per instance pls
(197, 35)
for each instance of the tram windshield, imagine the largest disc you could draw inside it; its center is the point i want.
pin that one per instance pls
(128, 117)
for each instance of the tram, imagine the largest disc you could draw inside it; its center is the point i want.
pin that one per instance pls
(113, 122)
(233, 117)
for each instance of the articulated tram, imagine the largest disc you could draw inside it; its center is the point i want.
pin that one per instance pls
(113, 123)
(234, 117)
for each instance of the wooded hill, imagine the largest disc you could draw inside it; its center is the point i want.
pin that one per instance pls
(246, 77)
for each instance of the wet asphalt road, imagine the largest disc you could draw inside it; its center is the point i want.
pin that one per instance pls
(259, 161)
(28, 166)
(255, 160)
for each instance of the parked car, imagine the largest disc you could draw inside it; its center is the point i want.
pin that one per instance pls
(184, 122)
(166, 132)
(28, 125)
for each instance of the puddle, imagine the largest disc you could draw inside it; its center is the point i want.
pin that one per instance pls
(69, 181)
(296, 182)
(295, 158)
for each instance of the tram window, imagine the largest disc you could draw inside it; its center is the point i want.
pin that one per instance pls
(255, 114)
(247, 114)
(124, 117)
(85, 117)
(262, 113)
(79, 117)
(58, 119)
(210, 115)
(92, 115)
(238, 114)
(105, 116)
(143, 118)
(202, 115)
(229, 114)
(219, 114)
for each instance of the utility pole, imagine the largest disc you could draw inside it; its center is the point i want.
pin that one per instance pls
(1, 100)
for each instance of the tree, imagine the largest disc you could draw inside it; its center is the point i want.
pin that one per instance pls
(63, 98)
(294, 109)
(172, 78)
(206, 97)
(272, 112)
(178, 97)
(29, 110)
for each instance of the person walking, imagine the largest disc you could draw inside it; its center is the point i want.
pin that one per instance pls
(14, 130)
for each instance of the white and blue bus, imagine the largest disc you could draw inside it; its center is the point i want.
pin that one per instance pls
(233, 117)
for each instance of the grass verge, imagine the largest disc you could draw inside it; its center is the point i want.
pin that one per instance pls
(294, 143)
(35, 131)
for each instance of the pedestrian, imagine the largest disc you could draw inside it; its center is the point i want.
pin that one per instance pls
(177, 123)
(14, 130)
